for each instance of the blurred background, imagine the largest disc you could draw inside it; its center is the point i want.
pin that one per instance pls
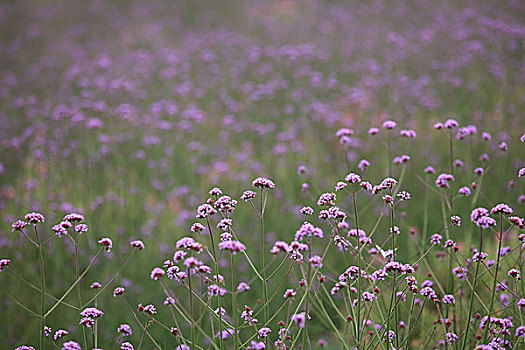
(130, 111)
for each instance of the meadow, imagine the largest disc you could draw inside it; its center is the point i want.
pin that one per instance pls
(262, 175)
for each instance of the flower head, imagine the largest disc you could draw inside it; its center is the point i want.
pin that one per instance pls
(137, 244)
(4, 263)
(263, 183)
(35, 218)
(106, 243)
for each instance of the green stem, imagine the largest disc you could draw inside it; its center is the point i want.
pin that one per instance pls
(500, 238)
(263, 270)
(234, 304)
(72, 286)
(191, 310)
(216, 265)
(77, 274)
(359, 267)
(42, 292)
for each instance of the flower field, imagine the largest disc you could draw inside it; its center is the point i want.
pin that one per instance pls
(262, 175)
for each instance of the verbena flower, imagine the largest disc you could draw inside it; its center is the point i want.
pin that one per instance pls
(300, 319)
(126, 346)
(34, 218)
(71, 345)
(106, 243)
(263, 332)
(4, 263)
(60, 334)
(137, 244)
(233, 246)
(125, 330)
(389, 124)
(18, 225)
(118, 291)
(263, 183)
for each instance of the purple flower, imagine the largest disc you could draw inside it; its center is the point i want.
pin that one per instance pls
(263, 183)
(4, 263)
(449, 299)
(515, 273)
(233, 246)
(501, 208)
(289, 293)
(118, 291)
(91, 312)
(520, 331)
(60, 333)
(106, 243)
(95, 285)
(81, 228)
(214, 290)
(225, 204)
(18, 225)
(363, 164)
(71, 345)
(409, 134)
(326, 199)
(125, 330)
(126, 346)
(157, 273)
(247, 195)
(215, 192)
(316, 261)
(367, 296)
(339, 186)
(280, 246)
(429, 170)
(436, 239)
(226, 333)
(389, 124)
(443, 179)
(450, 123)
(137, 244)
(465, 191)
(451, 338)
(353, 178)
(205, 210)
(149, 309)
(306, 211)
(35, 218)
(243, 287)
(74, 217)
(373, 131)
(521, 173)
(308, 230)
(197, 227)
(263, 332)
(300, 319)
(455, 220)
(344, 132)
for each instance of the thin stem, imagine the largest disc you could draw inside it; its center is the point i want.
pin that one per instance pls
(358, 265)
(216, 265)
(500, 238)
(73, 285)
(77, 274)
(107, 284)
(42, 291)
(234, 304)
(265, 290)
(471, 303)
(191, 310)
